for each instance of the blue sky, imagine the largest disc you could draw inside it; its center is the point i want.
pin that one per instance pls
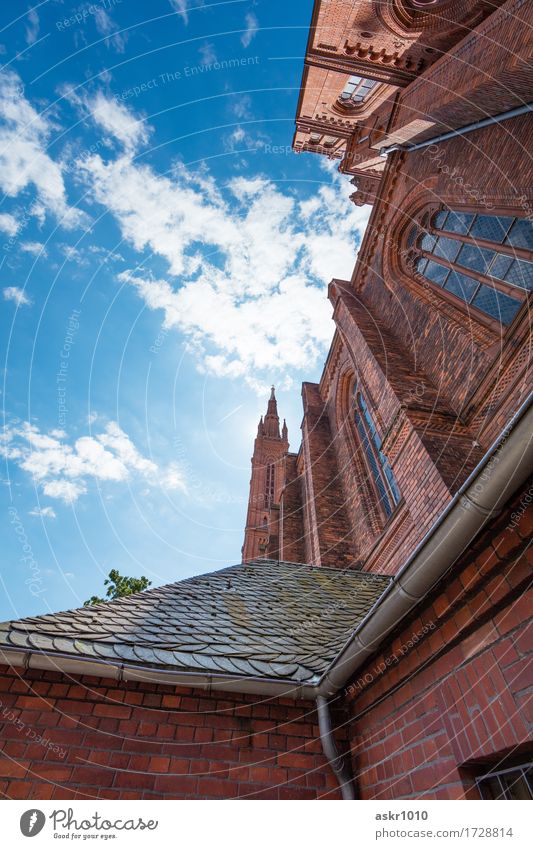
(164, 258)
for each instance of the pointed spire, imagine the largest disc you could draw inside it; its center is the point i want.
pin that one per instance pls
(260, 427)
(284, 431)
(271, 427)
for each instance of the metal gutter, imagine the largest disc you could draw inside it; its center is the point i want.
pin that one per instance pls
(71, 665)
(461, 131)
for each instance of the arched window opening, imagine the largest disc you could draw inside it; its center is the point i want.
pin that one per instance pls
(484, 260)
(378, 464)
(269, 485)
(356, 90)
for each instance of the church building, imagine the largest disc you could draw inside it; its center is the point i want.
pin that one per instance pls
(375, 641)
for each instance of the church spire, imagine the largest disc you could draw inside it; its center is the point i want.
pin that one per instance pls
(271, 426)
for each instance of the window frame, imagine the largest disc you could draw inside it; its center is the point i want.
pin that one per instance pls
(348, 102)
(392, 498)
(270, 482)
(425, 225)
(496, 773)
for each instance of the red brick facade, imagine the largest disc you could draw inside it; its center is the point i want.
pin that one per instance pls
(438, 380)
(132, 741)
(450, 691)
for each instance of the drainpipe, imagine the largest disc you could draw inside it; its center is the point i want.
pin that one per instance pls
(462, 131)
(339, 763)
(504, 468)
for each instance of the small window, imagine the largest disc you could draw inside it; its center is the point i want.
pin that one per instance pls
(314, 138)
(515, 783)
(269, 484)
(356, 90)
(379, 466)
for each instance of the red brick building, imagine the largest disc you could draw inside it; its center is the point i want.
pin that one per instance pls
(375, 640)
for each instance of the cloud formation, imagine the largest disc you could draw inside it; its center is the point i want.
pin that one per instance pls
(43, 512)
(14, 293)
(63, 470)
(248, 263)
(252, 26)
(24, 160)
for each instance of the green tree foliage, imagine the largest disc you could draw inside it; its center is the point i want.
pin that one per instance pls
(119, 586)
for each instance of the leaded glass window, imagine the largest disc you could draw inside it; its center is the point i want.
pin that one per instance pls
(356, 89)
(378, 464)
(484, 260)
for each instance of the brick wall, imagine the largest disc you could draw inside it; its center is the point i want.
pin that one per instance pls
(133, 741)
(327, 513)
(452, 687)
(292, 546)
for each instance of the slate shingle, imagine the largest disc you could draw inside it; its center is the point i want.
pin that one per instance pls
(262, 619)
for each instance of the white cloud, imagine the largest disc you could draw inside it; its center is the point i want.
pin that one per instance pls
(241, 140)
(32, 29)
(72, 254)
(106, 27)
(252, 25)
(35, 248)
(248, 262)
(182, 7)
(24, 161)
(8, 224)
(118, 121)
(43, 512)
(63, 470)
(241, 107)
(208, 53)
(109, 115)
(13, 293)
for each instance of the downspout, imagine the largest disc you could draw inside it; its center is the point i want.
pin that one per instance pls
(504, 468)
(462, 131)
(338, 763)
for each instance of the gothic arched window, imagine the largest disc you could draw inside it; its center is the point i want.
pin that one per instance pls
(356, 90)
(378, 464)
(484, 260)
(269, 485)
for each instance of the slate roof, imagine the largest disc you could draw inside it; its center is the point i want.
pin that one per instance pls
(263, 619)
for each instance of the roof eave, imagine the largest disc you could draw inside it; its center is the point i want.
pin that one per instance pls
(70, 665)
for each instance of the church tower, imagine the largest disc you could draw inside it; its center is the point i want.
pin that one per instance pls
(266, 484)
